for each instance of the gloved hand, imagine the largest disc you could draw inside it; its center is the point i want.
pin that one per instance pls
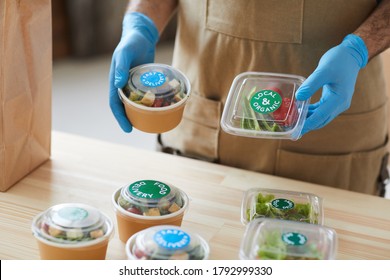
(337, 73)
(137, 46)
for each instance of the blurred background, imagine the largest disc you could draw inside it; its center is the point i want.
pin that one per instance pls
(85, 34)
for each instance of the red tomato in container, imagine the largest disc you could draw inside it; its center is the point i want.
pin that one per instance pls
(158, 102)
(287, 113)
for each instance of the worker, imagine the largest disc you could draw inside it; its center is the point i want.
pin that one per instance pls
(335, 44)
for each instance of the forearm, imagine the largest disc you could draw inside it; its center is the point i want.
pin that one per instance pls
(159, 11)
(375, 30)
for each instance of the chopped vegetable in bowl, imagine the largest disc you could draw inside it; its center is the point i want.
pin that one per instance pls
(151, 198)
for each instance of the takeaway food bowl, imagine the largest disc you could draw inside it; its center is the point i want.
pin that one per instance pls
(72, 231)
(148, 203)
(155, 97)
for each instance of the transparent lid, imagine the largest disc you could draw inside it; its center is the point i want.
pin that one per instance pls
(263, 105)
(151, 198)
(156, 85)
(281, 204)
(273, 239)
(167, 243)
(71, 223)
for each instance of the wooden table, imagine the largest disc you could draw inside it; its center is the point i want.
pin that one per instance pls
(89, 171)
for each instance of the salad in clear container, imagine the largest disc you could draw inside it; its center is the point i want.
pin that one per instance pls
(281, 204)
(263, 105)
(273, 239)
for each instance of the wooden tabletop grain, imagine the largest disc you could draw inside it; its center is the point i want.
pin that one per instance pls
(89, 171)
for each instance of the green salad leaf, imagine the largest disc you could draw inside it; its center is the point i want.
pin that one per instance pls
(272, 247)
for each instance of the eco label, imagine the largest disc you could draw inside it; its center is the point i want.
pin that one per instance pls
(294, 238)
(73, 214)
(265, 101)
(282, 204)
(172, 239)
(152, 79)
(149, 189)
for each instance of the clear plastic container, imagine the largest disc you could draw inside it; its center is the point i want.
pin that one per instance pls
(155, 96)
(273, 239)
(64, 231)
(263, 105)
(147, 203)
(281, 204)
(166, 243)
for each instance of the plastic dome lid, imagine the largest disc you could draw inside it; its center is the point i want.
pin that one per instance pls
(156, 85)
(151, 198)
(71, 223)
(167, 242)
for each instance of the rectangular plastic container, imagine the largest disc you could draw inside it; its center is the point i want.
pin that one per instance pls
(273, 239)
(263, 105)
(281, 204)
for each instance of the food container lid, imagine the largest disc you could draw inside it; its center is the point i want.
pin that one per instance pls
(71, 223)
(263, 105)
(167, 242)
(281, 204)
(156, 85)
(151, 198)
(273, 239)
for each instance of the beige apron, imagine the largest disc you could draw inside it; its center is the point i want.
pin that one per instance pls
(218, 39)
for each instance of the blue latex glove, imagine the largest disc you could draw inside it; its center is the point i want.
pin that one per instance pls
(137, 46)
(336, 72)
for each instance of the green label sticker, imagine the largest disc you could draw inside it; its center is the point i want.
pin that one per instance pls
(294, 238)
(149, 189)
(265, 101)
(282, 204)
(73, 213)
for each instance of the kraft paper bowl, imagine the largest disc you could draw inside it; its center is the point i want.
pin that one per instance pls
(72, 231)
(130, 223)
(155, 97)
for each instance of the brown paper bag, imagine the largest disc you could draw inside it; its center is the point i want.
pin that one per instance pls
(25, 87)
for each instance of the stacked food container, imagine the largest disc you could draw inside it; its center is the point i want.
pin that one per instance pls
(279, 224)
(149, 216)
